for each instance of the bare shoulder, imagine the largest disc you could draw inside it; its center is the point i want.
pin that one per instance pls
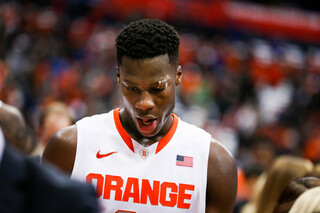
(222, 179)
(61, 149)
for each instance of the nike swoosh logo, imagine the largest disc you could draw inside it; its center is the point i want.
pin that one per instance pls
(104, 155)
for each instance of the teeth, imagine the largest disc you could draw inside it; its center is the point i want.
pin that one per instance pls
(146, 122)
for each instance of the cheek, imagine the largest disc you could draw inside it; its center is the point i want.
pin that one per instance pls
(168, 101)
(127, 104)
(127, 99)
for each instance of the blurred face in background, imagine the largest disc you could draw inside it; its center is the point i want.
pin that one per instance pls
(52, 123)
(53, 118)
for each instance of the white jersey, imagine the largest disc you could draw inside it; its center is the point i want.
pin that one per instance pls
(170, 176)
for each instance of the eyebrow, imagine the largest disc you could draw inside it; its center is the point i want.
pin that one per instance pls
(160, 83)
(127, 82)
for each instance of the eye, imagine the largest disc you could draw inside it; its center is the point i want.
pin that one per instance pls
(132, 89)
(158, 89)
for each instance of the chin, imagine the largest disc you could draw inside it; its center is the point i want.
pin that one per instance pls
(148, 134)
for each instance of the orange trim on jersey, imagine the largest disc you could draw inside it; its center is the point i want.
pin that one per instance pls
(124, 135)
(165, 140)
(127, 139)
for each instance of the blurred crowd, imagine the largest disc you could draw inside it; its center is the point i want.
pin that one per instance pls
(259, 97)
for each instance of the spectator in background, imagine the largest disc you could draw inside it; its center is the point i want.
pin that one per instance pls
(283, 170)
(315, 172)
(53, 117)
(263, 152)
(248, 177)
(291, 192)
(25, 185)
(11, 120)
(250, 205)
(307, 202)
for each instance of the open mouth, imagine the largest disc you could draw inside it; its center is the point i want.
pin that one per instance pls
(146, 125)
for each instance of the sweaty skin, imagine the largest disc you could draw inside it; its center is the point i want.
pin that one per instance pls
(144, 99)
(146, 117)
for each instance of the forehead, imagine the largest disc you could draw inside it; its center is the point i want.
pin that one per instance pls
(142, 69)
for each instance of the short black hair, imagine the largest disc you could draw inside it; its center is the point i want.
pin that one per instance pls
(148, 38)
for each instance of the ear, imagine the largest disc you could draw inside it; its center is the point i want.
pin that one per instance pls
(118, 74)
(178, 75)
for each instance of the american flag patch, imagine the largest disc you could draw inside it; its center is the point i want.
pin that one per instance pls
(184, 161)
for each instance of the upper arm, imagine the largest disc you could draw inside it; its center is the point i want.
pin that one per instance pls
(61, 149)
(15, 129)
(222, 180)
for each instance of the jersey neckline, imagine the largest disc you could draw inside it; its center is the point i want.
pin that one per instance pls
(127, 139)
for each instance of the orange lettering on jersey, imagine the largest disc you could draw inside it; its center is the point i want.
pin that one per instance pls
(172, 196)
(183, 196)
(166, 193)
(147, 191)
(99, 179)
(131, 190)
(110, 186)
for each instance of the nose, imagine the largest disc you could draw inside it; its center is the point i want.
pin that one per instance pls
(145, 101)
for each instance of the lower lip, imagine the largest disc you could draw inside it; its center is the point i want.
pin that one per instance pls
(146, 128)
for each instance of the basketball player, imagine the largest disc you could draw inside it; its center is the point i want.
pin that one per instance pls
(143, 158)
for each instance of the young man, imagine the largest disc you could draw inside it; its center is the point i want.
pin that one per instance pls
(143, 158)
